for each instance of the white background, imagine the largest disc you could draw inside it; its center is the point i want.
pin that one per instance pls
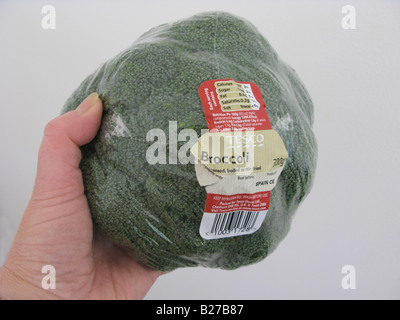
(352, 215)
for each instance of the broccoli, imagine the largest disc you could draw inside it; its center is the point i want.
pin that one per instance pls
(154, 210)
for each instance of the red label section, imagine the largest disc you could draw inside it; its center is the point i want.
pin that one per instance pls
(217, 203)
(229, 107)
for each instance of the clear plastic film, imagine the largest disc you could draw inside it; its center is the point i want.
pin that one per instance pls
(141, 177)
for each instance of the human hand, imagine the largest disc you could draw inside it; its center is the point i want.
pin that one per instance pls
(57, 229)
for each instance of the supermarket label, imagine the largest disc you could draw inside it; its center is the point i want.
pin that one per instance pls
(238, 160)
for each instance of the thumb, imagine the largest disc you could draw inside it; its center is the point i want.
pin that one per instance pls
(58, 171)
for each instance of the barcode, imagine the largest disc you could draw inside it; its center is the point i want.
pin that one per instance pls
(236, 221)
(230, 224)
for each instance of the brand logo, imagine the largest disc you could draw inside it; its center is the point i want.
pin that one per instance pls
(246, 140)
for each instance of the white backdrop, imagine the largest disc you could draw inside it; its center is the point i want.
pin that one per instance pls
(353, 75)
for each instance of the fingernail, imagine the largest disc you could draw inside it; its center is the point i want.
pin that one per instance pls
(89, 102)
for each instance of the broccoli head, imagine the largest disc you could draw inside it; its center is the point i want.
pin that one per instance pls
(154, 210)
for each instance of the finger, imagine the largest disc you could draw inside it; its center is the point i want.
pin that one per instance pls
(59, 154)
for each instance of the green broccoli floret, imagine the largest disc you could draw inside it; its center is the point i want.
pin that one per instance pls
(155, 210)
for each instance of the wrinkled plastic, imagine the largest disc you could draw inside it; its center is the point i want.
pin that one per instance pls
(155, 210)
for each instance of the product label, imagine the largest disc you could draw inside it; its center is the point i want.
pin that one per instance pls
(238, 160)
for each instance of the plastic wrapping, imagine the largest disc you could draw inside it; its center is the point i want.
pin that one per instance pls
(154, 209)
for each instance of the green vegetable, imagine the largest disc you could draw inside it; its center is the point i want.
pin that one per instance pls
(154, 210)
